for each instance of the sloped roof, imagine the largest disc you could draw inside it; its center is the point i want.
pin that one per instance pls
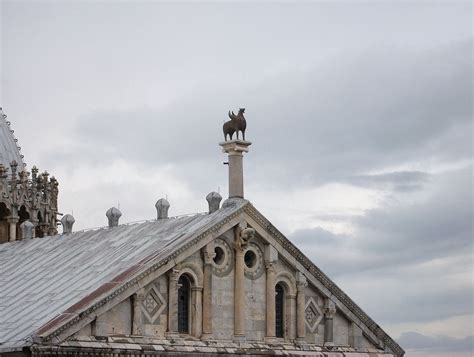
(43, 277)
(9, 150)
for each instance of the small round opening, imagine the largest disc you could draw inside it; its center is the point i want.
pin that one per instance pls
(219, 258)
(250, 259)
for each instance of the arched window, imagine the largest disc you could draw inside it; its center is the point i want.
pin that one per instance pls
(279, 313)
(184, 292)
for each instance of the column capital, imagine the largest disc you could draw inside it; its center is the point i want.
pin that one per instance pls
(301, 281)
(329, 309)
(173, 274)
(270, 266)
(208, 254)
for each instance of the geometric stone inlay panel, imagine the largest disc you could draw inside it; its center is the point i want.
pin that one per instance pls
(313, 314)
(153, 304)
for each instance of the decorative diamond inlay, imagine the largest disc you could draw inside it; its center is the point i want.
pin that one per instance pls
(313, 314)
(153, 304)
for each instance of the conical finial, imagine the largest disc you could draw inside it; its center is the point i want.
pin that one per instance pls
(214, 201)
(67, 221)
(162, 206)
(113, 214)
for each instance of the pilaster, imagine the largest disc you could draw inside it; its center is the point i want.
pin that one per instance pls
(208, 255)
(329, 312)
(137, 323)
(300, 307)
(173, 303)
(270, 303)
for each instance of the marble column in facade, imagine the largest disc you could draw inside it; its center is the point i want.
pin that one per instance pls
(173, 303)
(239, 293)
(291, 315)
(270, 313)
(300, 307)
(329, 312)
(196, 320)
(13, 222)
(243, 234)
(208, 256)
(137, 323)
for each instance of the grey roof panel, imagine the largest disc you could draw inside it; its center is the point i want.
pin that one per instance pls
(43, 277)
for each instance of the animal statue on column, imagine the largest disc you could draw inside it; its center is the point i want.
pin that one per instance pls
(235, 124)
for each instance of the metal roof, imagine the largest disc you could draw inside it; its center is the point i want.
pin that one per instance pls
(41, 278)
(9, 149)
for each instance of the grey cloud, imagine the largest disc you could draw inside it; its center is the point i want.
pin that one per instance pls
(395, 241)
(371, 110)
(417, 341)
(401, 181)
(401, 233)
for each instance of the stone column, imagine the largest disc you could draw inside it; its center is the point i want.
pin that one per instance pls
(239, 294)
(137, 323)
(270, 313)
(235, 150)
(300, 307)
(291, 315)
(355, 336)
(173, 303)
(208, 256)
(196, 317)
(13, 222)
(329, 312)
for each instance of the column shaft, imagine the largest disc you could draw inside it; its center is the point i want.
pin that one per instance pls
(300, 312)
(236, 175)
(173, 302)
(329, 312)
(12, 231)
(137, 323)
(208, 255)
(270, 320)
(239, 294)
(196, 320)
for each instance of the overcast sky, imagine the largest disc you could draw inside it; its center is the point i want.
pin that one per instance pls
(360, 116)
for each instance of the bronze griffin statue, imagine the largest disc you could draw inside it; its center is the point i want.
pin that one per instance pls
(235, 124)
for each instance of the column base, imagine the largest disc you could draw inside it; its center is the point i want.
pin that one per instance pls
(240, 338)
(173, 335)
(329, 344)
(301, 341)
(271, 340)
(207, 337)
